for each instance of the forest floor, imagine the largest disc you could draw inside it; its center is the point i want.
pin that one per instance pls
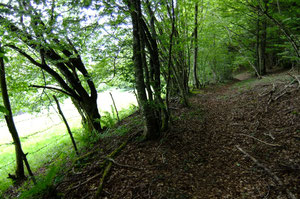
(203, 155)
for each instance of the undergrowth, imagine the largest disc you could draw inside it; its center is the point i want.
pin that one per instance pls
(49, 161)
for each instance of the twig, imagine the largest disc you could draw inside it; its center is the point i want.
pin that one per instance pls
(296, 78)
(279, 96)
(270, 135)
(115, 106)
(271, 91)
(275, 177)
(275, 145)
(122, 165)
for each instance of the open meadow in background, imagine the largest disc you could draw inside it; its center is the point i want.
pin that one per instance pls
(44, 136)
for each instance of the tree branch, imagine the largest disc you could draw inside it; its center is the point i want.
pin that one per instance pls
(69, 91)
(52, 88)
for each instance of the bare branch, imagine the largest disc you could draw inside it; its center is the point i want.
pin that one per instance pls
(275, 145)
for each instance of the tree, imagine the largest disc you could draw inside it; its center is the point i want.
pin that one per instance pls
(196, 81)
(152, 109)
(55, 54)
(20, 156)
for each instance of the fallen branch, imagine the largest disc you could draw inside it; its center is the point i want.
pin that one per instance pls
(279, 96)
(275, 145)
(270, 92)
(268, 171)
(296, 78)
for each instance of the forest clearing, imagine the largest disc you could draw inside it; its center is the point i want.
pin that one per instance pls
(215, 85)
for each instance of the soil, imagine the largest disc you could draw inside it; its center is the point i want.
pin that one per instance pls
(199, 157)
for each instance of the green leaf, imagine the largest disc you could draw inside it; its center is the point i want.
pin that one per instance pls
(4, 110)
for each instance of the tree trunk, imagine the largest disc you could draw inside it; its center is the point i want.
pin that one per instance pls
(20, 175)
(264, 41)
(67, 125)
(196, 81)
(258, 46)
(152, 127)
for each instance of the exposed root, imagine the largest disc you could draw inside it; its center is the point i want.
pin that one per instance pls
(108, 162)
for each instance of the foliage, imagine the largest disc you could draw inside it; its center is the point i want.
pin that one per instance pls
(232, 34)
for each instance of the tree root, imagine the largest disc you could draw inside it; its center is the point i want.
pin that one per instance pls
(107, 164)
(268, 171)
(100, 187)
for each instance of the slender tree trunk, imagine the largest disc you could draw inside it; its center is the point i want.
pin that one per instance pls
(258, 46)
(264, 41)
(20, 175)
(115, 106)
(67, 125)
(196, 81)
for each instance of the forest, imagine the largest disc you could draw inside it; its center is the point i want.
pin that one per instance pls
(209, 91)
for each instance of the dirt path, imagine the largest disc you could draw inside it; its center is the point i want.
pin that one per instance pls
(198, 157)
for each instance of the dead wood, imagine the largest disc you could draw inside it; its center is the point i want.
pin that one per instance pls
(275, 145)
(268, 171)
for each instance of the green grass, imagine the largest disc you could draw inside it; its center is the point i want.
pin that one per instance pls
(269, 79)
(52, 148)
(42, 149)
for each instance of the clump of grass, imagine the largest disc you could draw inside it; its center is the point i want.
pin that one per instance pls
(44, 187)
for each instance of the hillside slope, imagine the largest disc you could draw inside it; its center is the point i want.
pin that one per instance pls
(207, 152)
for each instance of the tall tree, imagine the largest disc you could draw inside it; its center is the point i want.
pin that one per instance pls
(196, 81)
(154, 112)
